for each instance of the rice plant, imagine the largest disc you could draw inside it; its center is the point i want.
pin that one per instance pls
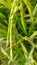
(18, 32)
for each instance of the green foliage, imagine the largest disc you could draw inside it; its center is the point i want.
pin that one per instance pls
(18, 32)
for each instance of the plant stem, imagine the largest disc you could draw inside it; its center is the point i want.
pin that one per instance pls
(29, 6)
(22, 17)
(13, 10)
